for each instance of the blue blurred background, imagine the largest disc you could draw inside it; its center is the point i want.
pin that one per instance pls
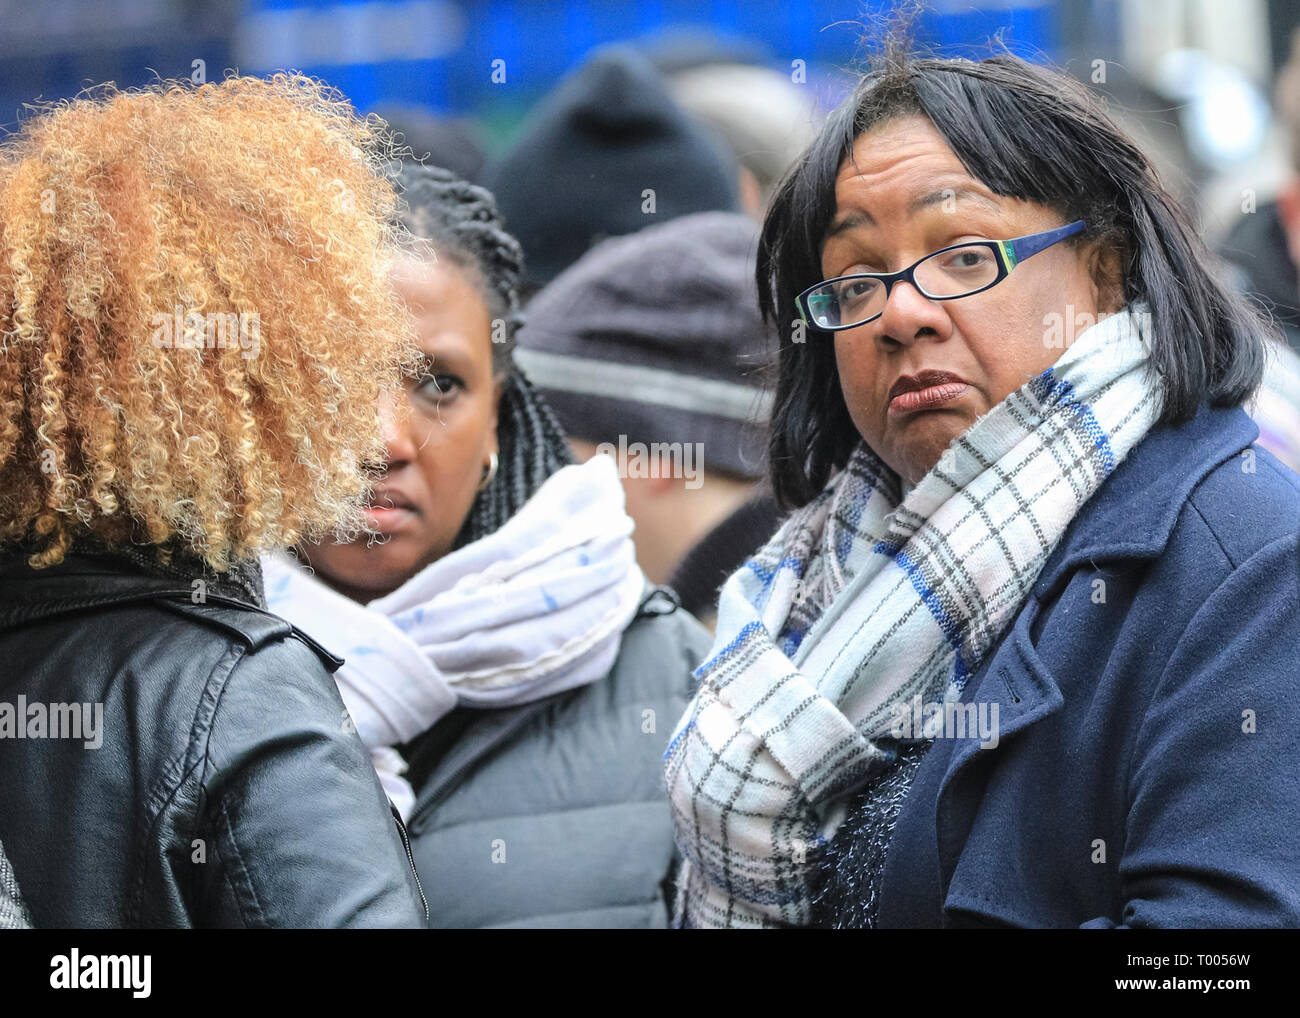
(439, 53)
(1196, 74)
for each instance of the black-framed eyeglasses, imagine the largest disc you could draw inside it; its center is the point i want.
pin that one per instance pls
(961, 270)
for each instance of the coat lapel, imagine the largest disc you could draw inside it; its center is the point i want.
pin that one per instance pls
(1131, 516)
(1018, 690)
(1133, 513)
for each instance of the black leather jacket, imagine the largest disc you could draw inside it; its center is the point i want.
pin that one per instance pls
(225, 785)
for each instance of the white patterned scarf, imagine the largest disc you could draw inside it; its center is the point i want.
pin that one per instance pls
(859, 604)
(13, 913)
(533, 609)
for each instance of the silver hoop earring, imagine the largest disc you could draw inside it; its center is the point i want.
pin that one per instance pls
(493, 462)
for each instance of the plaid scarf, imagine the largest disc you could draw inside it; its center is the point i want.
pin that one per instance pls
(859, 604)
(13, 913)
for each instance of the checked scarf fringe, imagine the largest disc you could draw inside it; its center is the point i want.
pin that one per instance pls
(859, 603)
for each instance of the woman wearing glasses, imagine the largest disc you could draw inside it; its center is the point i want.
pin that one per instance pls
(1032, 626)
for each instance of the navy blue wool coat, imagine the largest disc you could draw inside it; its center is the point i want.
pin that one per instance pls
(1148, 693)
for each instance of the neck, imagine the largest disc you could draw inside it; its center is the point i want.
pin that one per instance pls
(679, 519)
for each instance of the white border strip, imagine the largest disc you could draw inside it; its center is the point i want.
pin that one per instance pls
(707, 396)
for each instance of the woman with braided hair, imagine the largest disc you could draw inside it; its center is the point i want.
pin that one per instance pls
(507, 662)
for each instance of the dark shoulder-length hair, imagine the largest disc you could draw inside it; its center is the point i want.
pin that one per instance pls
(1028, 133)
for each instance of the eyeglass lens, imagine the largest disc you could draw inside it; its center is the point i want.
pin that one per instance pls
(952, 273)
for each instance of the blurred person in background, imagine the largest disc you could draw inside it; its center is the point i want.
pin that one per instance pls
(1000, 667)
(1264, 247)
(1275, 407)
(148, 454)
(766, 119)
(649, 348)
(607, 153)
(1263, 251)
(506, 660)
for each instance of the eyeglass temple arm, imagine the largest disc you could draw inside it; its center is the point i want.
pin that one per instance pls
(1023, 247)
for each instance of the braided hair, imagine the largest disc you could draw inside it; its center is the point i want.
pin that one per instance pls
(459, 220)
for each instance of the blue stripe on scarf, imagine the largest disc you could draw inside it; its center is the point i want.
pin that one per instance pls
(750, 629)
(678, 738)
(947, 626)
(960, 673)
(768, 574)
(854, 514)
(950, 629)
(1053, 390)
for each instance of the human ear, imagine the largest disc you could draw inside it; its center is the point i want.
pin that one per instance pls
(751, 194)
(1106, 269)
(1288, 210)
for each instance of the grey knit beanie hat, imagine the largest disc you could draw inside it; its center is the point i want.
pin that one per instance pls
(657, 337)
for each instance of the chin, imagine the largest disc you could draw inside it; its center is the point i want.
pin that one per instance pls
(920, 462)
(389, 566)
(376, 570)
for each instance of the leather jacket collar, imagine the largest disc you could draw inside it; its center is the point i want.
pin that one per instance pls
(91, 574)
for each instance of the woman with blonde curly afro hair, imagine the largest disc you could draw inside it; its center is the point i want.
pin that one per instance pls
(196, 326)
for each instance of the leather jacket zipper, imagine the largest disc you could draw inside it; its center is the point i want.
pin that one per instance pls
(406, 843)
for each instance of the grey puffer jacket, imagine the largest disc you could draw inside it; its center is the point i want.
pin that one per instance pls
(554, 814)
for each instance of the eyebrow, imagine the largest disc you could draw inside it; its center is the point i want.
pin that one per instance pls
(934, 198)
(861, 217)
(436, 363)
(421, 366)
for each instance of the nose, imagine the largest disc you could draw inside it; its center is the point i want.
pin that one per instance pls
(909, 314)
(396, 428)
